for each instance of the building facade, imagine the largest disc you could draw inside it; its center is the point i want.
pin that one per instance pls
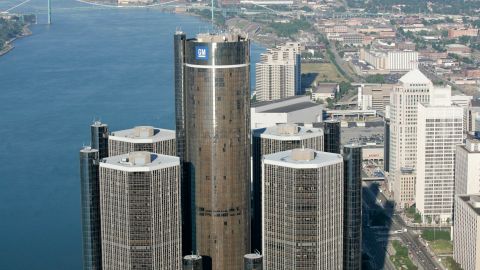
(439, 131)
(216, 110)
(99, 138)
(302, 205)
(90, 201)
(140, 212)
(412, 89)
(278, 74)
(467, 169)
(466, 231)
(267, 141)
(142, 138)
(331, 130)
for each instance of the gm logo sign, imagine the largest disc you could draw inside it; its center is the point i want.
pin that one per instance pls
(201, 52)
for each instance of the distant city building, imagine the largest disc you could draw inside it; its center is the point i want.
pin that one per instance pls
(90, 201)
(439, 131)
(412, 89)
(302, 208)
(267, 141)
(352, 215)
(332, 136)
(253, 261)
(142, 138)
(278, 74)
(458, 49)
(374, 96)
(466, 231)
(455, 33)
(463, 101)
(473, 116)
(99, 138)
(140, 212)
(192, 262)
(299, 109)
(390, 60)
(467, 162)
(324, 91)
(212, 108)
(135, 2)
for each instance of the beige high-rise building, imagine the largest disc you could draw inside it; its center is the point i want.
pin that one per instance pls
(439, 131)
(278, 74)
(466, 231)
(142, 138)
(467, 167)
(302, 209)
(140, 212)
(413, 88)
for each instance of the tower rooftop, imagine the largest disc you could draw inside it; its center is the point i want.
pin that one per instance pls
(290, 159)
(415, 76)
(288, 132)
(139, 162)
(142, 134)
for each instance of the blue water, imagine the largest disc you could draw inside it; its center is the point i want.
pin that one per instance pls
(111, 64)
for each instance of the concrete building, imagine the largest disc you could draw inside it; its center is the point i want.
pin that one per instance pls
(90, 201)
(302, 204)
(412, 89)
(473, 116)
(455, 33)
(391, 60)
(466, 231)
(467, 169)
(140, 212)
(374, 96)
(299, 109)
(267, 141)
(439, 131)
(142, 138)
(213, 111)
(323, 91)
(278, 74)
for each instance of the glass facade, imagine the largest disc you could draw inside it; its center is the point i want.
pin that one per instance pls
(99, 138)
(352, 243)
(331, 129)
(192, 262)
(92, 252)
(217, 146)
(253, 262)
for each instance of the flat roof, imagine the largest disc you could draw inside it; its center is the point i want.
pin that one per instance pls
(285, 159)
(263, 103)
(274, 132)
(470, 200)
(292, 107)
(142, 134)
(124, 162)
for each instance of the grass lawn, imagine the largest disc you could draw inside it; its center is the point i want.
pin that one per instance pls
(401, 259)
(321, 72)
(451, 264)
(431, 235)
(411, 212)
(441, 247)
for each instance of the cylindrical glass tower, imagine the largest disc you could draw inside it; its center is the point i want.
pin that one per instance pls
(99, 137)
(192, 262)
(253, 261)
(331, 130)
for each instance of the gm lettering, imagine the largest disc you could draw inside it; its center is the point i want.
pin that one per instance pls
(201, 53)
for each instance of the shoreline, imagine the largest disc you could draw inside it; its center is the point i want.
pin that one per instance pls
(9, 45)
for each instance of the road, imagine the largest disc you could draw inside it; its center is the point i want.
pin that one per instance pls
(374, 199)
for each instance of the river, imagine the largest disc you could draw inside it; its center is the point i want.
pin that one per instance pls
(115, 65)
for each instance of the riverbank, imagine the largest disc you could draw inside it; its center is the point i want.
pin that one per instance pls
(9, 46)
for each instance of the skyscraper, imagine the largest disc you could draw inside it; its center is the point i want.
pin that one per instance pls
(439, 131)
(466, 231)
(99, 138)
(214, 100)
(302, 204)
(467, 174)
(413, 88)
(331, 129)
(352, 228)
(192, 262)
(140, 212)
(142, 138)
(278, 74)
(253, 261)
(90, 200)
(278, 138)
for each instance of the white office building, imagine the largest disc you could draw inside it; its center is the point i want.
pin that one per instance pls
(466, 231)
(467, 167)
(439, 131)
(278, 74)
(391, 60)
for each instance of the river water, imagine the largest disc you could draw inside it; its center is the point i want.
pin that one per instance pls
(115, 65)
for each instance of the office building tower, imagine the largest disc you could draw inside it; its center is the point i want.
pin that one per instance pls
(352, 218)
(466, 231)
(140, 212)
(302, 205)
(439, 131)
(467, 161)
(99, 138)
(192, 262)
(253, 261)
(90, 191)
(278, 74)
(271, 140)
(413, 88)
(331, 130)
(386, 145)
(216, 110)
(142, 138)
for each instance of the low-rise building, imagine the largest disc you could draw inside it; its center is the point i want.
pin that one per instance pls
(374, 96)
(324, 90)
(455, 33)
